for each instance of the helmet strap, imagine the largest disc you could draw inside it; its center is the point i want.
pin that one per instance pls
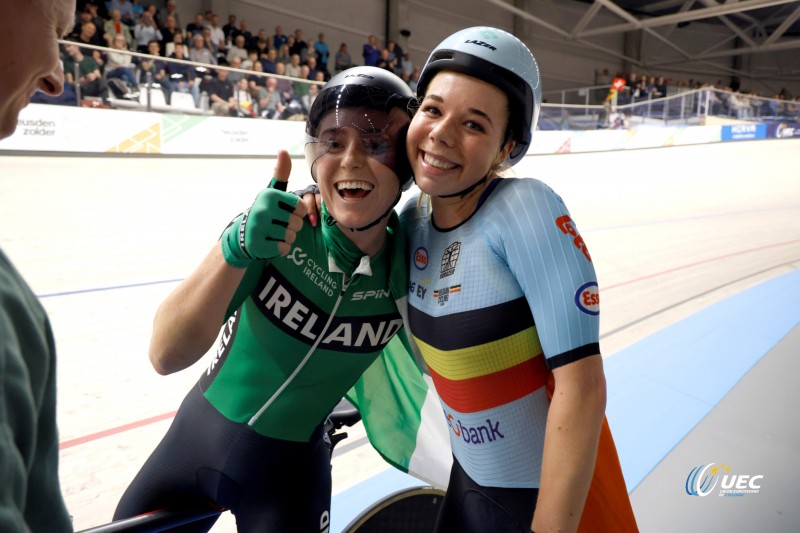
(467, 190)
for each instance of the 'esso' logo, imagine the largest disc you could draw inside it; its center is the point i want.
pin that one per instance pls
(587, 298)
(421, 258)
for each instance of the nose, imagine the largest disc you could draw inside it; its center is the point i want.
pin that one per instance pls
(442, 132)
(354, 154)
(53, 82)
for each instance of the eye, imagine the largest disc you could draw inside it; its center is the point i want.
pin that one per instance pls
(471, 124)
(430, 110)
(375, 146)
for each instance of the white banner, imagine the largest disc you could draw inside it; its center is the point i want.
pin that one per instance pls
(52, 128)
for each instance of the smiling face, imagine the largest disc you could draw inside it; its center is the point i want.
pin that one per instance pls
(353, 163)
(455, 137)
(38, 24)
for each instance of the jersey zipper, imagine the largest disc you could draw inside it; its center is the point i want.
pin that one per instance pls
(345, 285)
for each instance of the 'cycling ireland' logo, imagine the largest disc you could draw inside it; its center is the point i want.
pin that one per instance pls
(700, 482)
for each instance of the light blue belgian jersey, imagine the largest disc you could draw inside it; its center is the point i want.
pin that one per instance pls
(494, 305)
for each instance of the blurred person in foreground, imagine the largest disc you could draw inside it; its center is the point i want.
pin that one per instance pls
(30, 494)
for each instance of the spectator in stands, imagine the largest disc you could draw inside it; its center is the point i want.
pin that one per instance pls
(385, 62)
(407, 67)
(293, 69)
(371, 52)
(271, 102)
(236, 62)
(200, 52)
(323, 52)
(145, 31)
(88, 35)
(262, 47)
(283, 54)
(177, 39)
(308, 99)
(252, 57)
(115, 27)
(258, 79)
(279, 38)
(89, 79)
(30, 496)
(125, 8)
(245, 104)
(299, 43)
(157, 68)
(237, 49)
(95, 14)
(152, 10)
(220, 94)
(395, 56)
(184, 77)
(171, 10)
(312, 68)
(414, 80)
(230, 30)
(120, 65)
(86, 29)
(270, 61)
(168, 32)
(196, 27)
(283, 85)
(300, 88)
(342, 61)
(661, 86)
(248, 37)
(209, 43)
(217, 34)
(307, 52)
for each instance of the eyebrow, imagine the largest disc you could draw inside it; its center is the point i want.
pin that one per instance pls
(472, 110)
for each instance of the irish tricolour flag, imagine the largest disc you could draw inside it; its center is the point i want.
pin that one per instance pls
(402, 414)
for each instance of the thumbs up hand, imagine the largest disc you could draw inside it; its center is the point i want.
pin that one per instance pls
(270, 226)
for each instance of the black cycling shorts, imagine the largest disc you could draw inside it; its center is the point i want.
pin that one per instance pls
(268, 484)
(472, 508)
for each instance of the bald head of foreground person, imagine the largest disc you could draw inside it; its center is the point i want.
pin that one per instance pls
(35, 25)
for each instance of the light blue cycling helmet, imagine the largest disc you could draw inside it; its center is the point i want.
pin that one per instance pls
(499, 58)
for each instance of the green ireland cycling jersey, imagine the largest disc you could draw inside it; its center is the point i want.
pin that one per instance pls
(300, 333)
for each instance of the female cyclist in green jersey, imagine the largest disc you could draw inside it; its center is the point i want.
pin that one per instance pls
(304, 311)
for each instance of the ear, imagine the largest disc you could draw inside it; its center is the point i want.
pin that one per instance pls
(503, 154)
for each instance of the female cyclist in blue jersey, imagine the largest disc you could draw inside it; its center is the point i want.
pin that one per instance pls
(304, 311)
(505, 300)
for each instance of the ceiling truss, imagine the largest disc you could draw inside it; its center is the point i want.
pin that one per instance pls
(754, 33)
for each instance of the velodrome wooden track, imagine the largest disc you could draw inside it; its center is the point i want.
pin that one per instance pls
(103, 240)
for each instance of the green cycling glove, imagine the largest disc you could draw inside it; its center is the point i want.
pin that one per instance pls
(255, 234)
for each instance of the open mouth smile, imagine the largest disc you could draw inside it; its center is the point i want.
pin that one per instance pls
(354, 189)
(438, 162)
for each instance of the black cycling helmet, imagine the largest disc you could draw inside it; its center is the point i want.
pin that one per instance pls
(377, 91)
(498, 58)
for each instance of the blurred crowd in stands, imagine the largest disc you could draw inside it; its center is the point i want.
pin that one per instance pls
(726, 99)
(300, 65)
(103, 77)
